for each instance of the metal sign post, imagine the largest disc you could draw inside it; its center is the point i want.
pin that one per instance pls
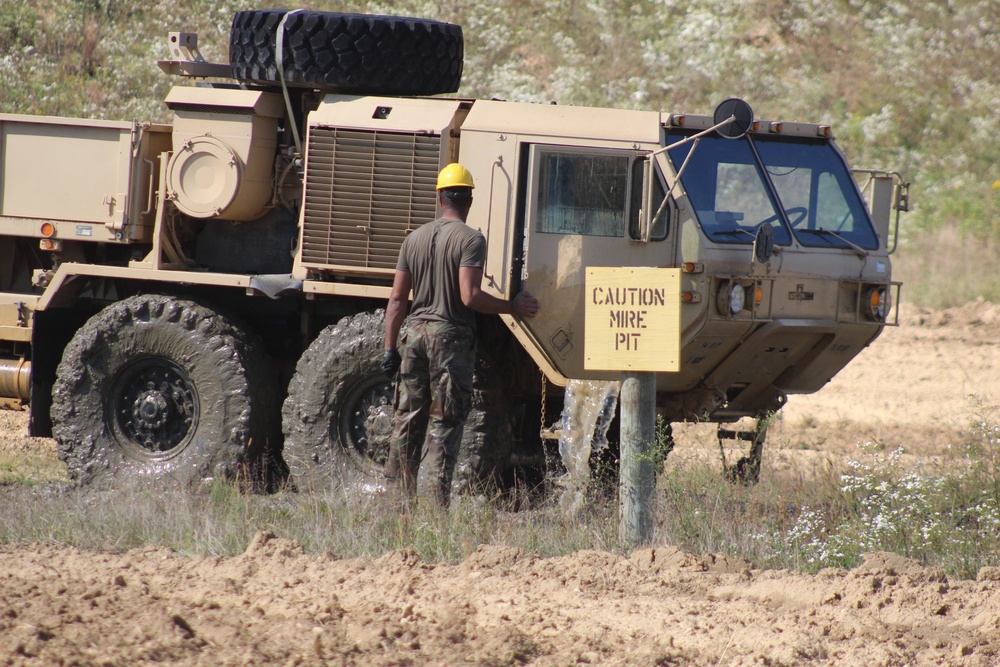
(637, 481)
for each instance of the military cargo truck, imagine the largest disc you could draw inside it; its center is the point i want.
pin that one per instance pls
(203, 299)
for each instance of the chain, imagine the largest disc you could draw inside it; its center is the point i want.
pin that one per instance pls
(544, 389)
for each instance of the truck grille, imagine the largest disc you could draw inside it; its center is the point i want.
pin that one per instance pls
(364, 190)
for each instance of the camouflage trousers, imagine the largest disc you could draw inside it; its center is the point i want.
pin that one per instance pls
(432, 401)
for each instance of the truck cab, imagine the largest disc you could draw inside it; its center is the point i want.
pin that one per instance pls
(571, 188)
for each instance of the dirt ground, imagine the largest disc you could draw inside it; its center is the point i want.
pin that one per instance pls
(273, 605)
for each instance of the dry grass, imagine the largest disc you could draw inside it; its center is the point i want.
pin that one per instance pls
(224, 520)
(947, 515)
(946, 267)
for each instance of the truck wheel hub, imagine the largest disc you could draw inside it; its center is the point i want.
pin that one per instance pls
(156, 407)
(151, 410)
(367, 428)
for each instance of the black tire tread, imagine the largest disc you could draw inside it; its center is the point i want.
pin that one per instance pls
(353, 347)
(487, 441)
(348, 53)
(236, 425)
(341, 355)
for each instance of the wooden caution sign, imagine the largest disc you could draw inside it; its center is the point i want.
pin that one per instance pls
(632, 319)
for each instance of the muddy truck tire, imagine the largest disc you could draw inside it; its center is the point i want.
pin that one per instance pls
(338, 417)
(487, 440)
(347, 53)
(163, 390)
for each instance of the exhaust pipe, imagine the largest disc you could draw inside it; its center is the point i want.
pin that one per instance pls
(15, 379)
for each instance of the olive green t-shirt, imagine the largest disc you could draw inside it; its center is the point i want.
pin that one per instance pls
(433, 254)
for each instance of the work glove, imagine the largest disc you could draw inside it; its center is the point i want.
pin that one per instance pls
(390, 363)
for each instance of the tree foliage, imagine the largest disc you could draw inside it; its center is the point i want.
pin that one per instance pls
(906, 85)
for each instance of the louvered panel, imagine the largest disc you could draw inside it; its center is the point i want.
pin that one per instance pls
(364, 191)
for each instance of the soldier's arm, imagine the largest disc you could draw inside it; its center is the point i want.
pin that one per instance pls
(395, 310)
(470, 280)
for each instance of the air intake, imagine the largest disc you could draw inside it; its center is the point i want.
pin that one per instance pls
(364, 190)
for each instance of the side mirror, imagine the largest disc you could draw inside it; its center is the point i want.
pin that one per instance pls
(740, 117)
(885, 192)
(763, 244)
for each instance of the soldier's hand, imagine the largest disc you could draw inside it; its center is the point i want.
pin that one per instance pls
(525, 305)
(390, 363)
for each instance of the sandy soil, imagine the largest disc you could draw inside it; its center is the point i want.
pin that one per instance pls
(919, 386)
(273, 605)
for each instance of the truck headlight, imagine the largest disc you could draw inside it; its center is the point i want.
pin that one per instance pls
(731, 298)
(877, 303)
(737, 298)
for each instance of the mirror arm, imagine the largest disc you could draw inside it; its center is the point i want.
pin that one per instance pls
(656, 216)
(677, 176)
(901, 202)
(694, 137)
(647, 223)
(895, 236)
(736, 106)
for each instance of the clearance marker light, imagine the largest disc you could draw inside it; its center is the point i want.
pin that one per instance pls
(878, 303)
(48, 229)
(691, 297)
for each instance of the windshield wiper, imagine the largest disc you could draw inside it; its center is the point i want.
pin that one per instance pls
(862, 253)
(733, 232)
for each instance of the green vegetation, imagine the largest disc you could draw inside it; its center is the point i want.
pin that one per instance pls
(348, 525)
(30, 468)
(945, 515)
(908, 86)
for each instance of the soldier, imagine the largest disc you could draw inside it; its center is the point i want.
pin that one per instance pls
(442, 262)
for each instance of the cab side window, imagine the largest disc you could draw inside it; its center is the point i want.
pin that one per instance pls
(582, 194)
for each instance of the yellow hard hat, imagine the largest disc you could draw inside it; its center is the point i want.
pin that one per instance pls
(455, 176)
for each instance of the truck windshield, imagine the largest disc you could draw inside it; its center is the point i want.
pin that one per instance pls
(727, 186)
(818, 192)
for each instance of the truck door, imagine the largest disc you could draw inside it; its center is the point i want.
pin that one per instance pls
(580, 207)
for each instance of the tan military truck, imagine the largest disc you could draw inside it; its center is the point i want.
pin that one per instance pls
(203, 299)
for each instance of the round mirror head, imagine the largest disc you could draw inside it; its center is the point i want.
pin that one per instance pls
(763, 244)
(742, 114)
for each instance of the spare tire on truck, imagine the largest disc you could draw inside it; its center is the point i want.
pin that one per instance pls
(163, 390)
(347, 53)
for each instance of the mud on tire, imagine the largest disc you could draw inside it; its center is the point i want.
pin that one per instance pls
(162, 390)
(487, 441)
(338, 417)
(348, 53)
